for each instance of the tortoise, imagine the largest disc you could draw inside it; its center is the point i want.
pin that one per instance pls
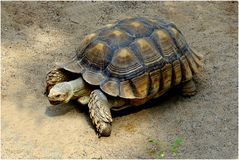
(125, 64)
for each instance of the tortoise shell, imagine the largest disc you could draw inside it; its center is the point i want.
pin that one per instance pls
(135, 58)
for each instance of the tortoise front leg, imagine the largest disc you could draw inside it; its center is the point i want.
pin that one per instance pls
(56, 76)
(100, 114)
(189, 88)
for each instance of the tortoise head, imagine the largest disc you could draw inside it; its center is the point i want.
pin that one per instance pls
(60, 93)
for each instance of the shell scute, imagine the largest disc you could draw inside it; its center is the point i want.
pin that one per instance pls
(93, 78)
(126, 90)
(111, 87)
(124, 64)
(155, 77)
(191, 62)
(179, 39)
(97, 55)
(148, 52)
(177, 74)
(115, 38)
(141, 85)
(136, 28)
(166, 77)
(167, 48)
(85, 42)
(186, 71)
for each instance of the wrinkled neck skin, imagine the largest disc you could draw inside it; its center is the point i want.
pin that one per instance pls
(79, 88)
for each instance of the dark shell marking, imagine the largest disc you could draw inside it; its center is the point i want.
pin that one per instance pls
(135, 58)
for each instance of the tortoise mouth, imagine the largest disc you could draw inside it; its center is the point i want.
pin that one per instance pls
(55, 102)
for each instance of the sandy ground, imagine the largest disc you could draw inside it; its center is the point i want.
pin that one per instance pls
(35, 35)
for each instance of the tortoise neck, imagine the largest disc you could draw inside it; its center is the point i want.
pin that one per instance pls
(79, 87)
(77, 84)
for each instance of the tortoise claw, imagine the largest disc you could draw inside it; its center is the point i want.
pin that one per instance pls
(104, 129)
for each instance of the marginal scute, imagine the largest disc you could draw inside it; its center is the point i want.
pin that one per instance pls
(111, 87)
(197, 57)
(93, 78)
(197, 61)
(166, 76)
(155, 80)
(126, 90)
(191, 62)
(186, 71)
(141, 84)
(74, 67)
(197, 54)
(177, 74)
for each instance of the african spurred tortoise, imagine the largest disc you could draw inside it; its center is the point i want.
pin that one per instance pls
(125, 64)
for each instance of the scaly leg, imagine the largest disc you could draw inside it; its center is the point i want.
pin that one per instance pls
(100, 114)
(189, 88)
(56, 76)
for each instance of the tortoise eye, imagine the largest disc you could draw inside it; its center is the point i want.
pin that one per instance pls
(57, 96)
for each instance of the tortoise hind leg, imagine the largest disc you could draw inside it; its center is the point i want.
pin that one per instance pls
(189, 88)
(100, 114)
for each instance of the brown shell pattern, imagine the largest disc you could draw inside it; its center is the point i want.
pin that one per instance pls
(135, 58)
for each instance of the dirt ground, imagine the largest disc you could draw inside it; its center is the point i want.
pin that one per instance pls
(35, 35)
